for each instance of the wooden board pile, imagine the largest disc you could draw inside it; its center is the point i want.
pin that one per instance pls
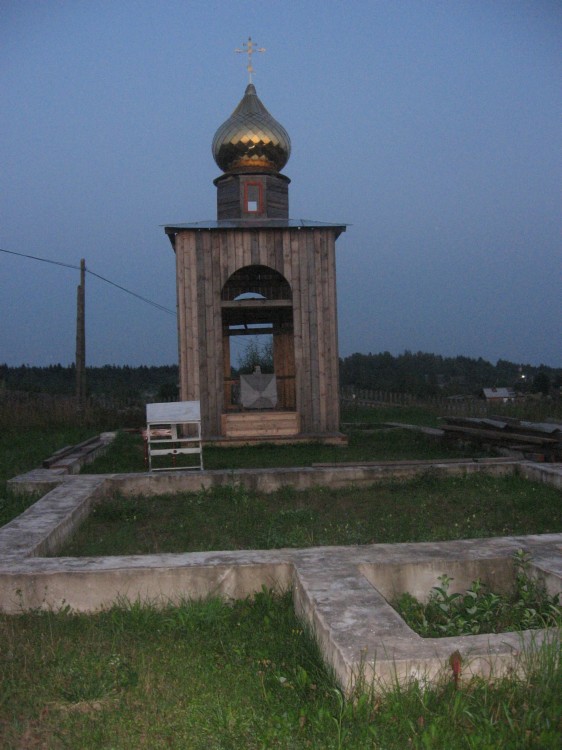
(539, 440)
(71, 457)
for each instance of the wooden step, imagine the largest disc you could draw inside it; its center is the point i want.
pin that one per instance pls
(261, 424)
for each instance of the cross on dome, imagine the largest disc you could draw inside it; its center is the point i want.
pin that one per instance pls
(250, 48)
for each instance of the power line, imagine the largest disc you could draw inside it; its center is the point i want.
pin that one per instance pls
(44, 260)
(92, 273)
(134, 294)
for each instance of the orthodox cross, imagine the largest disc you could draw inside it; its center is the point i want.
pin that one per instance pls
(250, 48)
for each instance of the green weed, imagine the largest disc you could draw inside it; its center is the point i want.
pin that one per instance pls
(479, 610)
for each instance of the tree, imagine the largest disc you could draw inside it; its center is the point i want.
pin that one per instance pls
(256, 355)
(168, 391)
(541, 383)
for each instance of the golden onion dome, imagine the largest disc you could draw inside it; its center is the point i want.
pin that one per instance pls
(251, 140)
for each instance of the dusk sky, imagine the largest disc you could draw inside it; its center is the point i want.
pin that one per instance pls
(431, 127)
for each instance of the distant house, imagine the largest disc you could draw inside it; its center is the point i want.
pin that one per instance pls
(498, 395)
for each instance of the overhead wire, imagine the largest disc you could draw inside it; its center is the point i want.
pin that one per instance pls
(157, 305)
(44, 260)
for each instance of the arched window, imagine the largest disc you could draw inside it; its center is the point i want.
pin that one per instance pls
(262, 281)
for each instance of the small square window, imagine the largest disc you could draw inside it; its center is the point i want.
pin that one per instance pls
(253, 197)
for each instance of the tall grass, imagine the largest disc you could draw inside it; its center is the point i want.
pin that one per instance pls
(23, 449)
(20, 410)
(208, 675)
(33, 426)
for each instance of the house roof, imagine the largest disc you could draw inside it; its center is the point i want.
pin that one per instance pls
(498, 393)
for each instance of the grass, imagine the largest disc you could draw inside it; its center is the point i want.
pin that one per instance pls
(126, 454)
(366, 415)
(423, 509)
(208, 675)
(24, 449)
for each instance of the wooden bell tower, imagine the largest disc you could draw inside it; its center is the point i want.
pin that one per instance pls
(254, 271)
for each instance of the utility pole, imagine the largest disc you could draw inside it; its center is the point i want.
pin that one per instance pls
(81, 337)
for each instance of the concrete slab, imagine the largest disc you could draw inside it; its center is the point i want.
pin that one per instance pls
(343, 593)
(43, 527)
(332, 475)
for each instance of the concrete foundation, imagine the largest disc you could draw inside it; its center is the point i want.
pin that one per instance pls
(341, 592)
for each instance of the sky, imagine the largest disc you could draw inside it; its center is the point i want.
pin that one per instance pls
(431, 127)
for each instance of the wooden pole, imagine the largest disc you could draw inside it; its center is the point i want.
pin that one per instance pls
(81, 337)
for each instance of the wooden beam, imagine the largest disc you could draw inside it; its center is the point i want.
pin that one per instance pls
(504, 437)
(255, 303)
(248, 331)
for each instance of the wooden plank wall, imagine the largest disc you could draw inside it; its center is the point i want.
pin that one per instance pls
(230, 196)
(228, 199)
(306, 258)
(284, 359)
(277, 197)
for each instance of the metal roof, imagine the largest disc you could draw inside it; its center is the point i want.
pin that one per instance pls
(498, 393)
(215, 225)
(254, 224)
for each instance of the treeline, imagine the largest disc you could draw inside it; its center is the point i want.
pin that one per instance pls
(431, 374)
(416, 373)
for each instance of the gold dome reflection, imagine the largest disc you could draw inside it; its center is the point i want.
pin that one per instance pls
(251, 140)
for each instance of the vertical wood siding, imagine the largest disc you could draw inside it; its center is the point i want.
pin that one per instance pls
(306, 258)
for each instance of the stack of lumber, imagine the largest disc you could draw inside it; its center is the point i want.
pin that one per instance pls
(72, 457)
(537, 438)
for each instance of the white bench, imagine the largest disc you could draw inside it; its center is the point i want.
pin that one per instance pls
(174, 429)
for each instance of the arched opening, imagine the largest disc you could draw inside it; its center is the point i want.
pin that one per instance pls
(256, 306)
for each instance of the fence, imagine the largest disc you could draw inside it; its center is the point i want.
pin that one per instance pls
(530, 407)
(22, 409)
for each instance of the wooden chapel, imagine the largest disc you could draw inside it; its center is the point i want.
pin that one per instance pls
(253, 271)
